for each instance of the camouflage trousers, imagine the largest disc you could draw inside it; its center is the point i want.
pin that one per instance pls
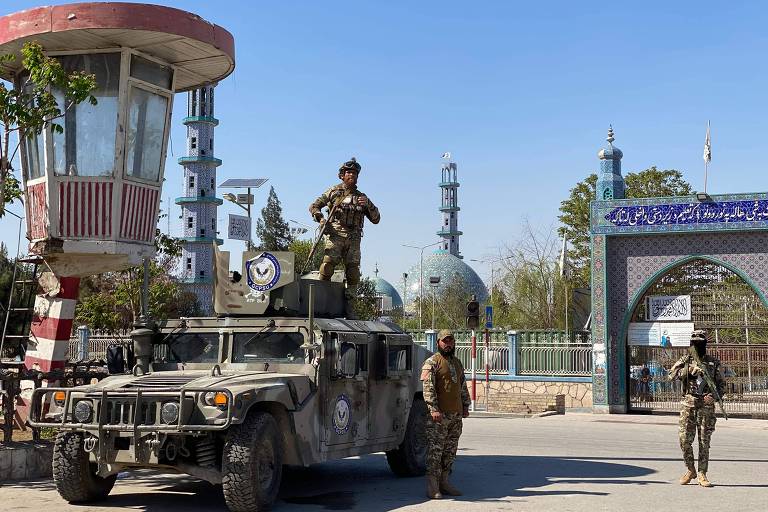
(700, 419)
(339, 249)
(442, 443)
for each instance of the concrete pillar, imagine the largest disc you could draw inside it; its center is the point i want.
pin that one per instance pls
(431, 340)
(52, 327)
(83, 336)
(512, 344)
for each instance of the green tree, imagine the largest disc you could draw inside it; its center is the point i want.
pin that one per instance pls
(574, 216)
(271, 228)
(32, 108)
(301, 249)
(365, 305)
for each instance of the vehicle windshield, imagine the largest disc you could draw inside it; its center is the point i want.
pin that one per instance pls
(285, 346)
(191, 347)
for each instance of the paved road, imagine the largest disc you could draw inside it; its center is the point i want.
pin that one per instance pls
(576, 462)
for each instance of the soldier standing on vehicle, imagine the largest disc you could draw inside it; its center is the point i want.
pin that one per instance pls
(698, 411)
(447, 399)
(348, 207)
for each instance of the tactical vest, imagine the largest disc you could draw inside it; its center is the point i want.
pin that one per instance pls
(349, 215)
(448, 374)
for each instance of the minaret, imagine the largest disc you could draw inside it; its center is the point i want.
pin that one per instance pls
(610, 183)
(449, 206)
(199, 203)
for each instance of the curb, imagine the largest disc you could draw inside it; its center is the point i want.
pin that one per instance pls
(26, 460)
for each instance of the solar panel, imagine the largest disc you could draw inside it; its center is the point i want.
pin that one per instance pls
(244, 183)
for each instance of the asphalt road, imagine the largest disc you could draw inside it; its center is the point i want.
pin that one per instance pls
(576, 462)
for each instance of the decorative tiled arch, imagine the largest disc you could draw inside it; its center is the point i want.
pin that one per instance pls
(625, 261)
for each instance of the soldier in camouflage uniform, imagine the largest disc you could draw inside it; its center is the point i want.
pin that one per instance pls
(345, 228)
(447, 399)
(698, 411)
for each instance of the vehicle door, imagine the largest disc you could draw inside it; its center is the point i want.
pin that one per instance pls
(391, 368)
(345, 414)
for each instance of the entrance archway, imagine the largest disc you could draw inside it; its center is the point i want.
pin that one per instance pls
(712, 295)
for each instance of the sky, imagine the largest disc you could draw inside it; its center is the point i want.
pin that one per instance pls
(521, 94)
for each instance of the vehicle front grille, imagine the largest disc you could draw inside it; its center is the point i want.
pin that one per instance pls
(121, 412)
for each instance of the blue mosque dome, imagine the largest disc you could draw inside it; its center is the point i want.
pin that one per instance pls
(385, 289)
(449, 268)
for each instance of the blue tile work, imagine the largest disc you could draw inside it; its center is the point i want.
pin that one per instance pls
(449, 206)
(636, 241)
(199, 203)
(610, 183)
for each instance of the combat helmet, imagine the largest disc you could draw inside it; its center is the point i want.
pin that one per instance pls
(349, 165)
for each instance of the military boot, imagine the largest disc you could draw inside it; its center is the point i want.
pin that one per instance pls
(446, 487)
(433, 489)
(687, 477)
(703, 480)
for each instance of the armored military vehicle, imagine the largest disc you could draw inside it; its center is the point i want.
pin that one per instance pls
(274, 379)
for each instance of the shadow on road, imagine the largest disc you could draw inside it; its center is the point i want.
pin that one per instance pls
(367, 484)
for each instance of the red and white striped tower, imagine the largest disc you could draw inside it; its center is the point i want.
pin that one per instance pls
(52, 326)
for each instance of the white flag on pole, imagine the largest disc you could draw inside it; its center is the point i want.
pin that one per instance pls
(707, 147)
(446, 155)
(563, 264)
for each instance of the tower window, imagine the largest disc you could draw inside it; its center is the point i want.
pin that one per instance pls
(202, 273)
(202, 152)
(193, 142)
(213, 224)
(202, 102)
(213, 184)
(189, 263)
(189, 222)
(202, 192)
(211, 144)
(202, 231)
(191, 182)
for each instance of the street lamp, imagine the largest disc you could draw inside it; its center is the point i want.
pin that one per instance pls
(302, 228)
(243, 199)
(421, 272)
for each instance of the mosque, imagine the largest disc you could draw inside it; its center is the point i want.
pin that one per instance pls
(447, 263)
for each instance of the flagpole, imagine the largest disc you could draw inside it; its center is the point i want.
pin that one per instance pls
(707, 157)
(706, 168)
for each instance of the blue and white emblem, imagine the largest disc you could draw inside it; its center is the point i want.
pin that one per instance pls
(262, 272)
(341, 415)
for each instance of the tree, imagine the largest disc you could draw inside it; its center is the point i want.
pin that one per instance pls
(32, 108)
(365, 305)
(271, 228)
(301, 249)
(575, 211)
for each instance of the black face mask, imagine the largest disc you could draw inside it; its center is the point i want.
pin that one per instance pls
(446, 352)
(701, 348)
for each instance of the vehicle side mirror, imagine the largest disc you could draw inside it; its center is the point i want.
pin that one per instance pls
(348, 364)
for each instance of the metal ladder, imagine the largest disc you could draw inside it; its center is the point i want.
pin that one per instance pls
(21, 302)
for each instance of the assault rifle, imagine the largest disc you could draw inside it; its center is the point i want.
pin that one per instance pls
(708, 380)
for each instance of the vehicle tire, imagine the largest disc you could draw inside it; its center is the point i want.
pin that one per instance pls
(252, 464)
(410, 458)
(74, 475)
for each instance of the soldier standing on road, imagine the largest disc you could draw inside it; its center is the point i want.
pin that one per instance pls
(447, 399)
(345, 228)
(698, 411)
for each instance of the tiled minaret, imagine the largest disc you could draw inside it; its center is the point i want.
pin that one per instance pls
(449, 206)
(610, 183)
(199, 202)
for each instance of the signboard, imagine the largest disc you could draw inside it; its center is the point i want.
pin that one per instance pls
(660, 334)
(239, 228)
(489, 317)
(668, 307)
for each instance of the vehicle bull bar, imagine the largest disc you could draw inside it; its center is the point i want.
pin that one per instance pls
(139, 396)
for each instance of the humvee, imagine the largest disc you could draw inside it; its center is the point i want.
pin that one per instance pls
(274, 379)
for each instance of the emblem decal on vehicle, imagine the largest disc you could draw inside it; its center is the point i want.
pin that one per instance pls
(341, 415)
(263, 272)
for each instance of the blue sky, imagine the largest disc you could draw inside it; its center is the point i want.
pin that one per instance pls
(520, 94)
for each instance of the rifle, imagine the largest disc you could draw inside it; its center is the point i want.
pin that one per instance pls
(708, 379)
(322, 231)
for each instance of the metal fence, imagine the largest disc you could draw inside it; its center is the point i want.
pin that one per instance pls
(746, 378)
(97, 345)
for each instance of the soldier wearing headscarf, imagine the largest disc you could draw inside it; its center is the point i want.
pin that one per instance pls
(698, 405)
(349, 208)
(447, 399)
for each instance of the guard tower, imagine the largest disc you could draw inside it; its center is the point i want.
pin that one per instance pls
(449, 206)
(92, 193)
(199, 203)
